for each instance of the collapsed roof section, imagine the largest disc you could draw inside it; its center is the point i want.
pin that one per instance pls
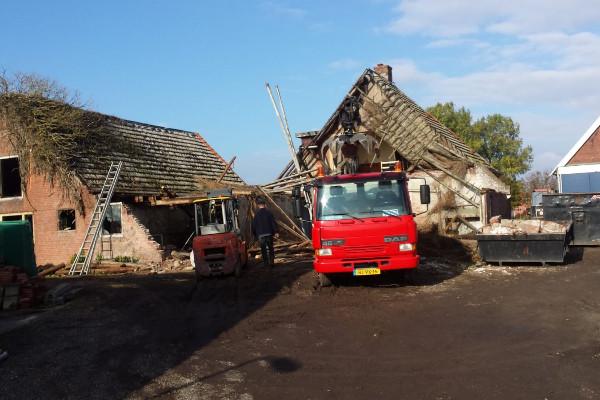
(156, 160)
(392, 117)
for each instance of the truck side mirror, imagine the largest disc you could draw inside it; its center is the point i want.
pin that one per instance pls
(425, 193)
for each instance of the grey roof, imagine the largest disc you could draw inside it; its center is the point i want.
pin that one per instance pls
(392, 116)
(153, 157)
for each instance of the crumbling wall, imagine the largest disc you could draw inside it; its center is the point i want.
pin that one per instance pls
(169, 226)
(135, 239)
(483, 178)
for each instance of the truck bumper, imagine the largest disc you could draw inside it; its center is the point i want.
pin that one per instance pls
(332, 265)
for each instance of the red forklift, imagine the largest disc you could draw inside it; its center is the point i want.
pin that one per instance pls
(218, 247)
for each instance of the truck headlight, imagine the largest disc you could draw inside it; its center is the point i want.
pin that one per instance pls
(406, 247)
(324, 252)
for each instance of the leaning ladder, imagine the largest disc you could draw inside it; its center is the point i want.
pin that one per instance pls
(83, 260)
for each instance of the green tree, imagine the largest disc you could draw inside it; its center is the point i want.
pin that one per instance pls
(459, 120)
(502, 145)
(495, 137)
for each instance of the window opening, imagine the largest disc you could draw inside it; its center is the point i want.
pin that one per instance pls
(12, 218)
(10, 177)
(112, 221)
(66, 220)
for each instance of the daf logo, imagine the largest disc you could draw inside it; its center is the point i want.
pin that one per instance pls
(333, 242)
(394, 239)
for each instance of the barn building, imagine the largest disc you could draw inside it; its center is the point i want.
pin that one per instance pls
(466, 190)
(158, 163)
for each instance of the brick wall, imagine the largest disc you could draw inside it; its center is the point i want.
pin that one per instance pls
(589, 153)
(54, 246)
(135, 239)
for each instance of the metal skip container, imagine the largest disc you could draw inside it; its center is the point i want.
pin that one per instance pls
(524, 241)
(582, 209)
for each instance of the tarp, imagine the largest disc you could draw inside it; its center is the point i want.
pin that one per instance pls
(16, 246)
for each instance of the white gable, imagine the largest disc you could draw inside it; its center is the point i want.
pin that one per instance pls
(578, 145)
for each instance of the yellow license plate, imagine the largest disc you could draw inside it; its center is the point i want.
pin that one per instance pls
(367, 271)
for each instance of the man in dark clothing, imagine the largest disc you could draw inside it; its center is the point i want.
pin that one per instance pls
(264, 228)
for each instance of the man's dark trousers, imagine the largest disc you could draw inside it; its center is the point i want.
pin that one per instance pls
(267, 250)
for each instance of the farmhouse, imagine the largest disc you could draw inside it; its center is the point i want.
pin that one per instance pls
(466, 190)
(158, 163)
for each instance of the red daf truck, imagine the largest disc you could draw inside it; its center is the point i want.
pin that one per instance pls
(363, 224)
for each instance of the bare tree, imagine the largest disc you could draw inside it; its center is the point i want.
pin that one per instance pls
(537, 180)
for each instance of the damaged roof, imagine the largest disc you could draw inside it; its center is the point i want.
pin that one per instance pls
(390, 115)
(155, 159)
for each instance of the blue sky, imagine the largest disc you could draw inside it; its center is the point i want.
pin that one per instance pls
(202, 66)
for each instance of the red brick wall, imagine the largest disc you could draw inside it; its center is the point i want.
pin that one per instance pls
(54, 246)
(589, 153)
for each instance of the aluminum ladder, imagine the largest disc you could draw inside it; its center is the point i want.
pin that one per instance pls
(83, 259)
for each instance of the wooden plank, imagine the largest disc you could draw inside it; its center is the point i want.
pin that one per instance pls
(467, 223)
(302, 237)
(183, 200)
(290, 221)
(227, 167)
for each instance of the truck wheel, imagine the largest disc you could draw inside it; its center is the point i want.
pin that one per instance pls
(323, 280)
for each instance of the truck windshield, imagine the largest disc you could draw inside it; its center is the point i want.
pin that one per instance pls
(361, 200)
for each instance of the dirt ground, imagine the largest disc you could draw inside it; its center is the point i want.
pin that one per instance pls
(452, 332)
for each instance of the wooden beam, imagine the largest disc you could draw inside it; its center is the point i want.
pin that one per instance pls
(467, 223)
(227, 168)
(450, 188)
(290, 221)
(302, 237)
(177, 201)
(281, 181)
(452, 175)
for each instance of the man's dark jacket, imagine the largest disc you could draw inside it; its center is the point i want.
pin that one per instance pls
(263, 223)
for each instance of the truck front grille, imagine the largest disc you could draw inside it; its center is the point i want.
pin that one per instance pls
(362, 250)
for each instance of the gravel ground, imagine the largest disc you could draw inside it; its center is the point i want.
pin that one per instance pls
(453, 331)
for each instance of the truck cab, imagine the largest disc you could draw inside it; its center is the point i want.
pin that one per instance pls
(363, 224)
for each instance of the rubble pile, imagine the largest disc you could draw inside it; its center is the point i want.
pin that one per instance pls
(286, 252)
(17, 290)
(178, 261)
(524, 227)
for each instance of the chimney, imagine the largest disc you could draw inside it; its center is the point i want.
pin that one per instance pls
(385, 71)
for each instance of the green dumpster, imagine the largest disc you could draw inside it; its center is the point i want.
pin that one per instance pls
(16, 246)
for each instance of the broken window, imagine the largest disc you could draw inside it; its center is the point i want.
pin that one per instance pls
(112, 221)
(66, 220)
(10, 177)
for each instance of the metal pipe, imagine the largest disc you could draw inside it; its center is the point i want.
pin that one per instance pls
(283, 128)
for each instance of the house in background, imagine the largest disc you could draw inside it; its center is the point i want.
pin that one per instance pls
(158, 163)
(579, 170)
(466, 190)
